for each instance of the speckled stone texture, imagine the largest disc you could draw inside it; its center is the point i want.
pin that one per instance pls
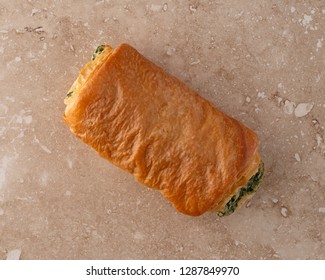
(262, 62)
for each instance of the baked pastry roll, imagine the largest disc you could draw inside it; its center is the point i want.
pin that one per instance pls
(153, 126)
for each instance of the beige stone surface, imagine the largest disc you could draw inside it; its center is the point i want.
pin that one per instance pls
(262, 62)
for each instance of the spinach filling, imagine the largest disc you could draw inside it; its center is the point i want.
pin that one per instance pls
(98, 51)
(69, 94)
(251, 187)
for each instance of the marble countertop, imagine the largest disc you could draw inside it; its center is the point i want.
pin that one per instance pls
(260, 62)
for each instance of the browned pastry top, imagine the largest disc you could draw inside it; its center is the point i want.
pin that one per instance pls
(149, 123)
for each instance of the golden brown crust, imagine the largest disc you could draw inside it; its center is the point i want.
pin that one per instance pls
(147, 122)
